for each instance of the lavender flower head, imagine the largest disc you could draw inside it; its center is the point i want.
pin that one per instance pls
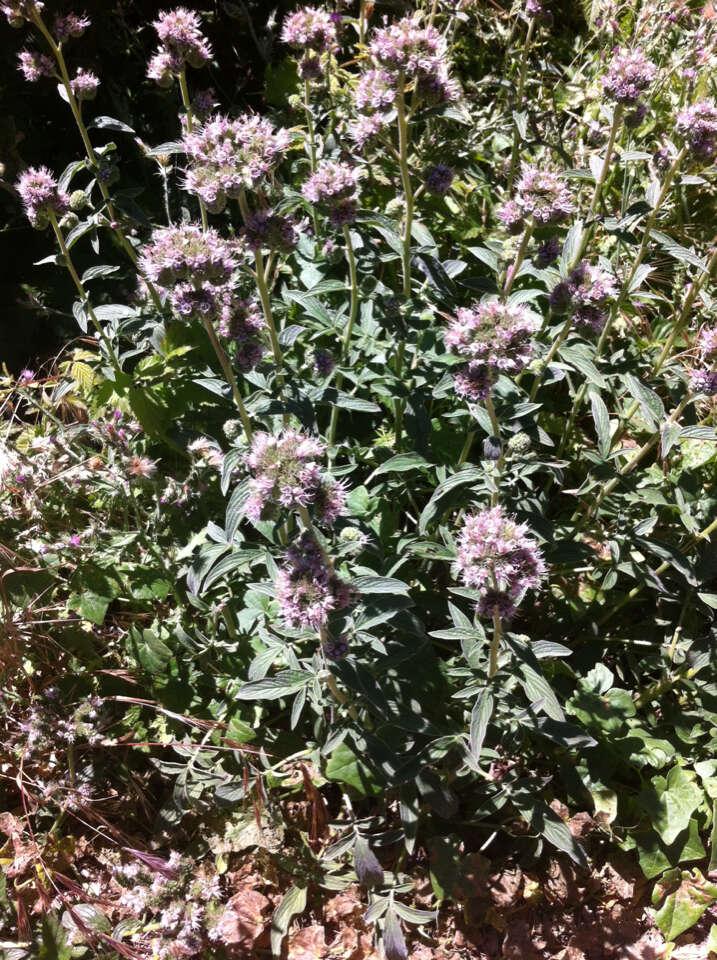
(324, 362)
(85, 84)
(229, 156)
(698, 125)
(182, 43)
(495, 334)
(287, 475)
(375, 92)
(194, 265)
(585, 294)
(367, 126)
(18, 11)
(307, 588)
(629, 75)
(703, 378)
(548, 252)
(496, 557)
(309, 29)
(511, 215)
(268, 230)
(41, 196)
(438, 179)
(35, 65)
(334, 184)
(543, 194)
(493, 338)
(180, 32)
(418, 53)
(71, 25)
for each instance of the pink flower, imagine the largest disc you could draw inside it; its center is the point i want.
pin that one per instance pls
(496, 557)
(309, 29)
(39, 192)
(307, 589)
(35, 65)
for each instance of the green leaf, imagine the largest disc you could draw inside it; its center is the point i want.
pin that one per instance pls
(711, 945)
(602, 424)
(651, 407)
(402, 462)
(480, 715)
(109, 123)
(684, 907)
(274, 688)
(292, 903)
(544, 820)
(90, 606)
(343, 766)
(671, 802)
(460, 479)
(368, 585)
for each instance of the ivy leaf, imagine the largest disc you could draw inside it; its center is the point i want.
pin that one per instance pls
(684, 906)
(345, 767)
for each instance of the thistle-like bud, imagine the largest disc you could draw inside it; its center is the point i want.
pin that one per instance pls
(78, 200)
(232, 429)
(520, 443)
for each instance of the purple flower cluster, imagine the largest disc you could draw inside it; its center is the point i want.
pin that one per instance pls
(324, 363)
(18, 11)
(71, 25)
(629, 75)
(309, 29)
(229, 156)
(541, 193)
(698, 125)
(241, 322)
(548, 252)
(334, 184)
(493, 338)
(287, 475)
(703, 379)
(85, 85)
(438, 179)
(375, 91)
(417, 54)
(268, 230)
(585, 294)
(35, 65)
(307, 588)
(182, 43)
(39, 192)
(194, 265)
(496, 557)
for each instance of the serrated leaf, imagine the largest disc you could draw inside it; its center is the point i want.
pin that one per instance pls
(274, 688)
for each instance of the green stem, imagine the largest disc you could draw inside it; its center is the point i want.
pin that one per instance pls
(624, 290)
(607, 160)
(466, 447)
(89, 150)
(312, 145)
(501, 459)
(190, 126)
(346, 342)
(495, 646)
(549, 356)
(83, 293)
(521, 90)
(226, 366)
(399, 405)
(262, 286)
(519, 257)
(702, 535)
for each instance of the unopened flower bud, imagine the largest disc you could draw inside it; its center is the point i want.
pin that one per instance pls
(232, 429)
(78, 200)
(519, 443)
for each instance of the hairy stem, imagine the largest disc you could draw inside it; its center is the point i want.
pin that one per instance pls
(83, 293)
(226, 366)
(190, 126)
(346, 342)
(521, 90)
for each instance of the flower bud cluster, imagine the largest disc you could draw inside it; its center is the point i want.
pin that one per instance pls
(308, 589)
(541, 193)
(287, 475)
(241, 322)
(35, 65)
(496, 557)
(703, 378)
(229, 156)
(266, 230)
(585, 294)
(493, 338)
(313, 32)
(18, 11)
(41, 196)
(698, 125)
(182, 43)
(416, 54)
(334, 185)
(71, 25)
(85, 84)
(629, 75)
